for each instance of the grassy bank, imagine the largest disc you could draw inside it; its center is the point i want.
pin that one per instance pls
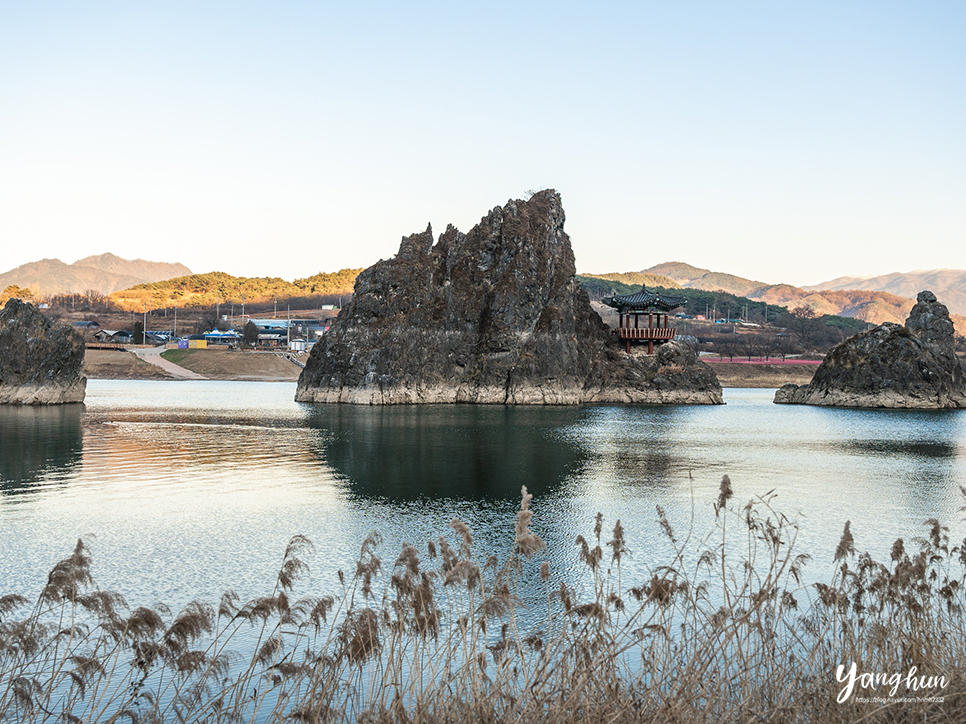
(222, 364)
(104, 364)
(724, 630)
(743, 374)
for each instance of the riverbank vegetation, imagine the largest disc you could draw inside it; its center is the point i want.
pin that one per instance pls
(725, 629)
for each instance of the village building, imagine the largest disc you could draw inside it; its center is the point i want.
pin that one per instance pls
(113, 336)
(217, 337)
(281, 332)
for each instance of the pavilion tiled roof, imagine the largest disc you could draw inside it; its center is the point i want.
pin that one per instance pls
(643, 301)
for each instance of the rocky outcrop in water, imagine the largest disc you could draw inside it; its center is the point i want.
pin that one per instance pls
(40, 364)
(911, 366)
(492, 316)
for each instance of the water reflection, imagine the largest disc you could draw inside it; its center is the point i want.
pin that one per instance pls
(912, 448)
(448, 451)
(925, 443)
(637, 445)
(38, 443)
(193, 488)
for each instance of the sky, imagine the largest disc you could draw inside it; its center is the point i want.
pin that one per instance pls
(786, 142)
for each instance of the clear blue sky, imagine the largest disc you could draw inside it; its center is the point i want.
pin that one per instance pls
(787, 142)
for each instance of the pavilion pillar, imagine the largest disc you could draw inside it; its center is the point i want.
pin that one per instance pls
(650, 346)
(627, 345)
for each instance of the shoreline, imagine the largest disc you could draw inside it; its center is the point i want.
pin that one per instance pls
(203, 364)
(269, 367)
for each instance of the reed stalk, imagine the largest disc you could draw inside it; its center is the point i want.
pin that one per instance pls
(725, 630)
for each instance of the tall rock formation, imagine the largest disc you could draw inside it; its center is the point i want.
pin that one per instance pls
(492, 316)
(40, 364)
(911, 366)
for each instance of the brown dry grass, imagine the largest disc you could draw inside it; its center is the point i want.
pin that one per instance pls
(734, 374)
(106, 364)
(221, 364)
(724, 630)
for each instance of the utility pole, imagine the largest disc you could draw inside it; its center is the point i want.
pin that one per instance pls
(144, 325)
(288, 328)
(175, 335)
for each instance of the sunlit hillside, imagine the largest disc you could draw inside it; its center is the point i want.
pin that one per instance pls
(207, 290)
(637, 279)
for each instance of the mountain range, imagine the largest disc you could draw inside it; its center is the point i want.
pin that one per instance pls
(887, 298)
(104, 273)
(874, 299)
(949, 285)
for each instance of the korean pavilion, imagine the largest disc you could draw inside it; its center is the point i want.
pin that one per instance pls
(643, 317)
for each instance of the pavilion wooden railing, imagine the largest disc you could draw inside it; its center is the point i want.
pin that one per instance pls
(654, 333)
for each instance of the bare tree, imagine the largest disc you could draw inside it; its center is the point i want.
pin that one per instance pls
(806, 326)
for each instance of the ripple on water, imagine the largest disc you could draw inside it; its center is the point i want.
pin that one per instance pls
(188, 489)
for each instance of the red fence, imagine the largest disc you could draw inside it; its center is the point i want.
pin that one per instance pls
(655, 333)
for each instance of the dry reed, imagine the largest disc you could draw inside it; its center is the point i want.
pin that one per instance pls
(726, 630)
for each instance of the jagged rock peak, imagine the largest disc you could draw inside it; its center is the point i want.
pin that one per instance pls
(930, 323)
(910, 366)
(40, 364)
(495, 315)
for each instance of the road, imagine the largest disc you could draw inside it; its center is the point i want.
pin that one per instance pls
(153, 356)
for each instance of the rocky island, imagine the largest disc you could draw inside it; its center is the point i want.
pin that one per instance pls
(492, 316)
(40, 364)
(893, 365)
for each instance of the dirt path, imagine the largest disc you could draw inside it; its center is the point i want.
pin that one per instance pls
(153, 356)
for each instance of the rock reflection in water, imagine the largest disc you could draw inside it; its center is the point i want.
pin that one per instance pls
(446, 451)
(37, 443)
(636, 444)
(912, 448)
(924, 436)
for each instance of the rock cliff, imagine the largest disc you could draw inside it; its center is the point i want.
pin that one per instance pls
(911, 366)
(491, 316)
(40, 364)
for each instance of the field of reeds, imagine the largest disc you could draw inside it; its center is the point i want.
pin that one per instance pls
(725, 630)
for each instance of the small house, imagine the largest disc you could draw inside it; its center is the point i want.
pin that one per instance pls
(216, 337)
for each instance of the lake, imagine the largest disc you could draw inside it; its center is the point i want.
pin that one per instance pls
(187, 489)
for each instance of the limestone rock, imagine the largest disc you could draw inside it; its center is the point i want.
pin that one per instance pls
(40, 364)
(492, 316)
(911, 366)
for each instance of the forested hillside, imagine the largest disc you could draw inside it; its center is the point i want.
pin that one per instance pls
(207, 290)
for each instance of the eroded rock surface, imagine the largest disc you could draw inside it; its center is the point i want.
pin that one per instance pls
(40, 364)
(910, 366)
(492, 316)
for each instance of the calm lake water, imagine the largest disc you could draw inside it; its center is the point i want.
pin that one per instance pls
(186, 489)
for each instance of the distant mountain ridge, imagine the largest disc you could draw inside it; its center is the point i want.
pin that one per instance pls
(104, 273)
(693, 277)
(949, 285)
(839, 296)
(874, 307)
